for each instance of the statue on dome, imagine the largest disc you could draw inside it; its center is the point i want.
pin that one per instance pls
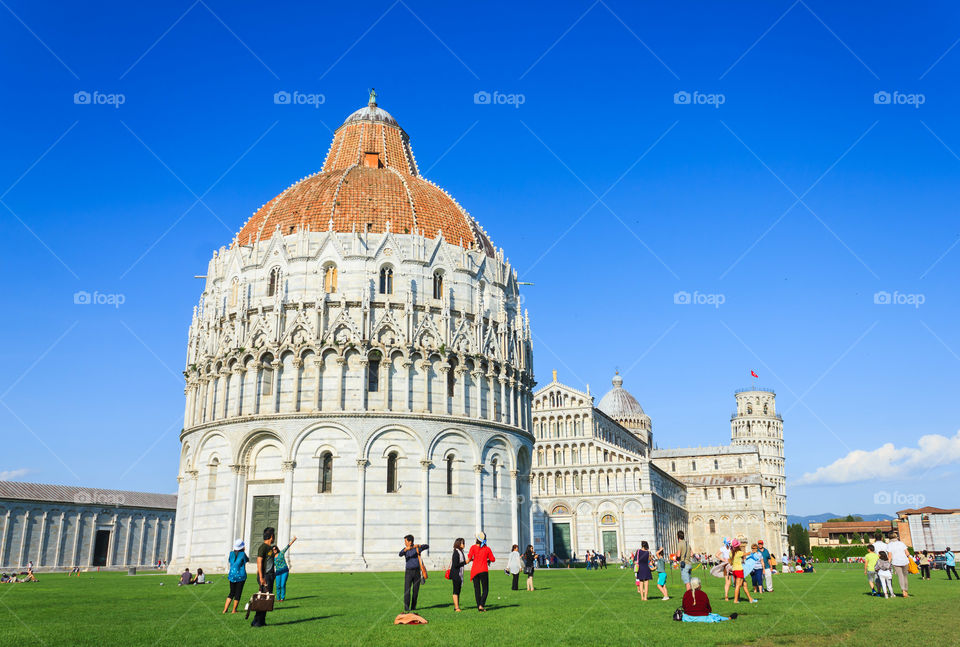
(373, 97)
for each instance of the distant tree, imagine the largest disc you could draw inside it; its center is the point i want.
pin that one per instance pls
(849, 518)
(799, 538)
(843, 539)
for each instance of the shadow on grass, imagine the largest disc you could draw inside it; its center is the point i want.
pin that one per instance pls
(296, 622)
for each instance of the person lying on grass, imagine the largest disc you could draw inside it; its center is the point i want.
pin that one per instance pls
(696, 605)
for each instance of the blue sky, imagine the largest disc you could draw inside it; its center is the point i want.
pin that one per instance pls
(795, 201)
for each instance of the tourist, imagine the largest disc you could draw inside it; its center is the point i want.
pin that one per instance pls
(529, 565)
(696, 605)
(642, 569)
(514, 567)
(185, 577)
(869, 567)
(950, 564)
(199, 578)
(753, 568)
(412, 573)
(923, 560)
(237, 574)
(767, 566)
(683, 556)
(884, 572)
(457, 562)
(900, 559)
(724, 556)
(282, 569)
(74, 571)
(878, 543)
(586, 559)
(736, 563)
(265, 571)
(480, 557)
(661, 563)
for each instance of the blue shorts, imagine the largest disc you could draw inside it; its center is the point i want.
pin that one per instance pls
(661, 579)
(685, 573)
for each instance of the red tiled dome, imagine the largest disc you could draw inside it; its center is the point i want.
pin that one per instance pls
(370, 178)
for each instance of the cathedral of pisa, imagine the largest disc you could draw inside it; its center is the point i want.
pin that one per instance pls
(359, 368)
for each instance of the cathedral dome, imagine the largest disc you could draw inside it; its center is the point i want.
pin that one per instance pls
(621, 406)
(369, 183)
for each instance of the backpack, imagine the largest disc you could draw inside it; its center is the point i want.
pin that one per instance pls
(678, 615)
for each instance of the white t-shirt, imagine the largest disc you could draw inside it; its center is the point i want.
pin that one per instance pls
(881, 545)
(898, 553)
(725, 554)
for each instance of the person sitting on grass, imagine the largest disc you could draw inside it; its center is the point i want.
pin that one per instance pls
(696, 605)
(199, 578)
(185, 578)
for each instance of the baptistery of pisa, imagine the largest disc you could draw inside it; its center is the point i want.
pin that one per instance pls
(358, 368)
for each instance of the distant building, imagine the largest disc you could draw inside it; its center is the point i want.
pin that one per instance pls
(59, 527)
(838, 533)
(930, 528)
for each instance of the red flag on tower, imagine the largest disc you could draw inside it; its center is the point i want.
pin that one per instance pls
(753, 374)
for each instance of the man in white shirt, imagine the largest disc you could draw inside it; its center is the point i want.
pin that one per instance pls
(899, 559)
(879, 544)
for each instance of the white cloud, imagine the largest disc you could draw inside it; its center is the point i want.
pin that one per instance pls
(12, 475)
(887, 462)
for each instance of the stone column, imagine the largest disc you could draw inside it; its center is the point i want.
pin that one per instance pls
(286, 499)
(444, 370)
(504, 405)
(129, 541)
(225, 391)
(361, 496)
(56, 558)
(23, 538)
(477, 375)
(210, 387)
(93, 537)
(239, 373)
(461, 405)
(574, 544)
(315, 405)
(192, 503)
(622, 539)
(234, 491)
(43, 537)
(298, 369)
(3, 538)
(529, 519)
(364, 394)
(386, 386)
(340, 397)
(596, 532)
(277, 376)
(169, 552)
(114, 537)
(425, 367)
(156, 540)
(514, 520)
(407, 389)
(425, 524)
(187, 397)
(75, 557)
(492, 400)
(143, 536)
(478, 495)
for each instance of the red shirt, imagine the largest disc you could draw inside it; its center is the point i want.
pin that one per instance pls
(699, 608)
(480, 555)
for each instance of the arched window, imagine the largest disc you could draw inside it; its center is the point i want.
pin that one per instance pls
(450, 474)
(673, 466)
(273, 283)
(740, 463)
(234, 291)
(693, 465)
(764, 409)
(386, 280)
(573, 455)
(713, 527)
(373, 374)
(325, 482)
(749, 409)
(558, 484)
(716, 464)
(392, 485)
(576, 481)
(330, 279)
(438, 285)
(495, 478)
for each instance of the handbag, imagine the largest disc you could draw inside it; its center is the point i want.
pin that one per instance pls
(528, 570)
(678, 615)
(423, 569)
(260, 602)
(912, 567)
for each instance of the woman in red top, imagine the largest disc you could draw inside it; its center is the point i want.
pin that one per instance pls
(479, 558)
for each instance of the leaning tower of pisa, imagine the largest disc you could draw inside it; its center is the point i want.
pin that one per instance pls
(756, 422)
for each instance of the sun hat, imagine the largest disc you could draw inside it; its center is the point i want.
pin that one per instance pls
(734, 543)
(760, 542)
(482, 537)
(238, 544)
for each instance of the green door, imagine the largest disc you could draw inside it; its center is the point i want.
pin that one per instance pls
(610, 544)
(561, 540)
(266, 512)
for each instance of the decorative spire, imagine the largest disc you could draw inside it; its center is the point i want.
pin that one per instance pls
(373, 98)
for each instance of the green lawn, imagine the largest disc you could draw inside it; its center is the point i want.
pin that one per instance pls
(569, 608)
